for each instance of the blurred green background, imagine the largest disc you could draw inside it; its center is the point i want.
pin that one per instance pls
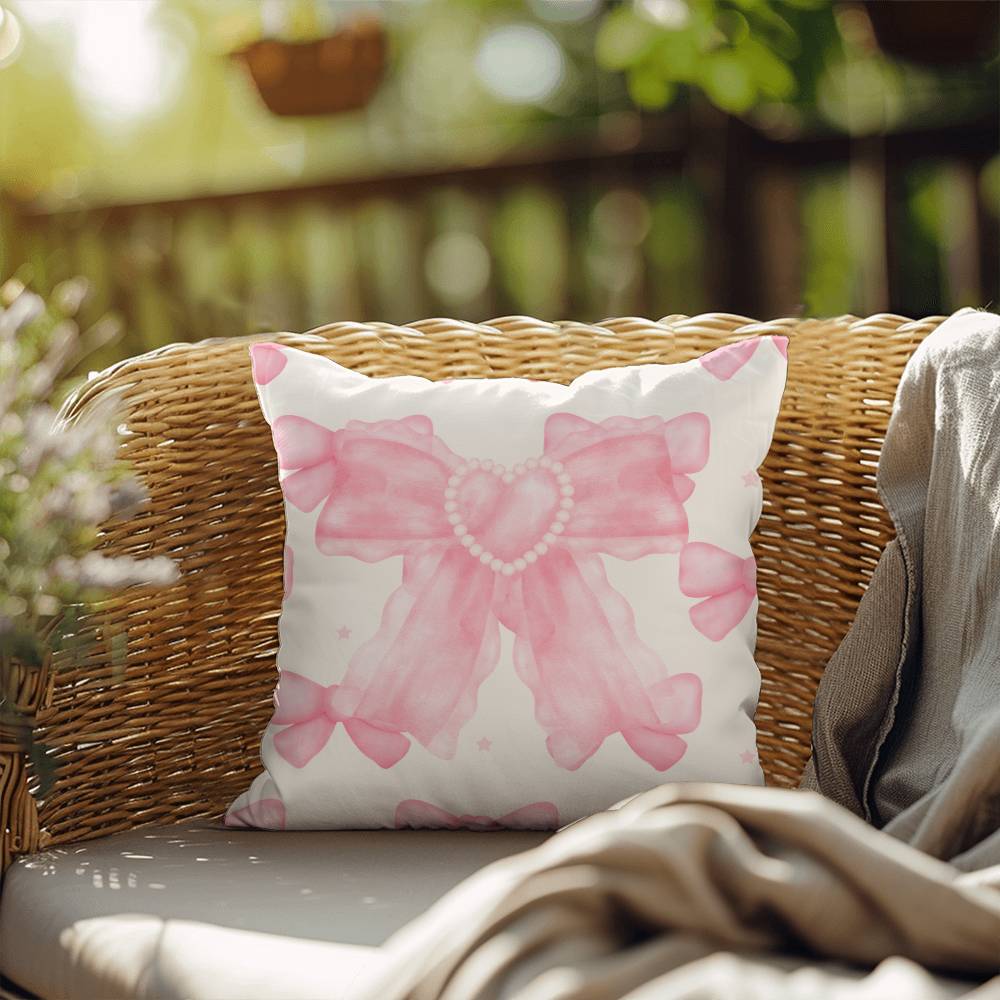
(560, 158)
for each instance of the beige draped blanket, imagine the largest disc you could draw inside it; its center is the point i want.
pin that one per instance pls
(884, 882)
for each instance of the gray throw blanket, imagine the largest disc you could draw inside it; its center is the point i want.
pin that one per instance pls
(879, 886)
(906, 729)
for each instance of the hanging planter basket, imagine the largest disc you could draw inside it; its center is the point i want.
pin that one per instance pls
(340, 72)
(935, 32)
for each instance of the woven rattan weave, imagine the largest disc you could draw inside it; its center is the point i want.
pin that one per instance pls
(173, 732)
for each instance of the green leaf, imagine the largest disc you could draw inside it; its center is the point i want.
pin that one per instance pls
(623, 39)
(728, 82)
(733, 25)
(649, 88)
(771, 74)
(809, 4)
(676, 56)
(767, 25)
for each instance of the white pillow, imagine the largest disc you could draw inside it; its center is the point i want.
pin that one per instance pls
(508, 602)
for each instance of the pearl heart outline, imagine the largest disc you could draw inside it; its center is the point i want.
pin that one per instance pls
(469, 541)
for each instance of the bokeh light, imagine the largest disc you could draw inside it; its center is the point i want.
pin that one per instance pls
(668, 13)
(564, 10)
(10, 37)
(551, 157)
(458, 266)
(124, 64)
(622, 217)
(520, 63)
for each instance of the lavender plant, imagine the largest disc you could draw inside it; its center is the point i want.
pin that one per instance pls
(59, 481)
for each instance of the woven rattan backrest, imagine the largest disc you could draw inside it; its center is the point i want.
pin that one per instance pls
(174, 732)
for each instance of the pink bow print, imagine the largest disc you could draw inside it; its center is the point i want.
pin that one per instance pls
(485, 546)
(308, 710)
(266, 812)
(725, 362)
(421, 815)
(728, 582)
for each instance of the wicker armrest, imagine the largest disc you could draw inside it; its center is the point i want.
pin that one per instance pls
(174, 732)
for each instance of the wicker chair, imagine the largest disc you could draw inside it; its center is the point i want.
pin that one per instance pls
(172, 733)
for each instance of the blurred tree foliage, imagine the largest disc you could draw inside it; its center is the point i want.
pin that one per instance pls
(738, 52)
(203, 129)
(813, 60)
(81, 118)
(109, 101)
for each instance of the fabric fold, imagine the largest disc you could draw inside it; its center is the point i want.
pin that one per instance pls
(720, 867)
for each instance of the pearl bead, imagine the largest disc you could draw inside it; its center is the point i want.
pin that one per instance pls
(562, 515)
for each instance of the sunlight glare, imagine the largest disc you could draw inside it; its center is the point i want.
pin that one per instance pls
(124, 65)
(10, 37)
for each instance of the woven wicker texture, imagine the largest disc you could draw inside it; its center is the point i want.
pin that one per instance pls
(173, 732)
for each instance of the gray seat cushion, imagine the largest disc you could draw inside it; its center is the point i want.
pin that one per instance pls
(201, 911)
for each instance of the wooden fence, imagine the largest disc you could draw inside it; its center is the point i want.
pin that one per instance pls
(718, 218)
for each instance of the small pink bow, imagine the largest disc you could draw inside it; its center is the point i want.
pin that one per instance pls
(418, 814)
(728, 582)
(267, 361)
(311, 712)
(725, 362)
(266, 812)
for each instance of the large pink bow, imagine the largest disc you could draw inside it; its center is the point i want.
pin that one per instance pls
(422, 815)
(482, 546)
(728, 583)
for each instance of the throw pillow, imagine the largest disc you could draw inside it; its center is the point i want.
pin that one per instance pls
(511, 603)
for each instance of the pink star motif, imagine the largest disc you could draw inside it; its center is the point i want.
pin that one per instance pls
(343, 632)
(484, 744)
(748, 756)
(751, 478)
